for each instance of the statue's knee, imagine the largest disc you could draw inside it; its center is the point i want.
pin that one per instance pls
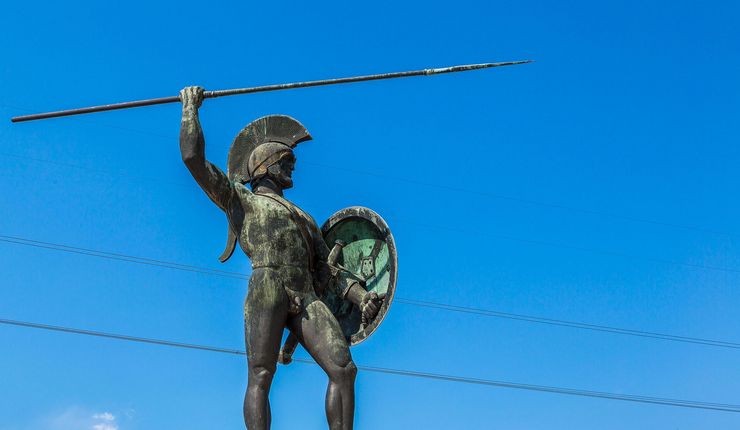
(345, 373)
(352, 370)
(261, 376)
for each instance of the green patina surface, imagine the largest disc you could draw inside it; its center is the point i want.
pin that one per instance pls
(358, 255)
(366, 255)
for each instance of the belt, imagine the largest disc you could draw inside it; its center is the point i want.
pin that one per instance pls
(277, 266)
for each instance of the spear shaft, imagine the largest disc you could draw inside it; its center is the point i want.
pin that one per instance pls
(276, 87)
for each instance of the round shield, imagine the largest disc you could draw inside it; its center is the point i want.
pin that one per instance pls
(369, 253)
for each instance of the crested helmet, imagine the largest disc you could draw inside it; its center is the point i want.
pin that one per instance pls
(263, 157)
(261, 144)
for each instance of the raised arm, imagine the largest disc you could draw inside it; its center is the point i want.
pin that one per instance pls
(192, 147)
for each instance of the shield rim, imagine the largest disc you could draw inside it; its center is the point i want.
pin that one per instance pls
(372, 216)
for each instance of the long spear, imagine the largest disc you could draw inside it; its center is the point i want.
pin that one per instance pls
(276, 87)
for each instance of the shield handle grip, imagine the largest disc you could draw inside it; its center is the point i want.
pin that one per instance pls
(333, 258)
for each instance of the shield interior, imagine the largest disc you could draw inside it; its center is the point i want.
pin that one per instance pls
(369, 253)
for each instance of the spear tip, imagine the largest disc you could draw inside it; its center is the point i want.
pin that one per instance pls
(508, 63)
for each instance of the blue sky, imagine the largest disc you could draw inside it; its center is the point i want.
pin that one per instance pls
(525, 189)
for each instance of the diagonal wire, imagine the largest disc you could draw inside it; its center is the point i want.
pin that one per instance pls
(486, 233)
(408, 373)
(121, 257)
(565, 323)
(406, 301)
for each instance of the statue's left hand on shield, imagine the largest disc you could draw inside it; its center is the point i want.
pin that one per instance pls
(370, 305)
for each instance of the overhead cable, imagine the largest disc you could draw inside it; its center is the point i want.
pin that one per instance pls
(494, 235)
(121, 257)
(565, 323)
(413, 302)
(408, 373)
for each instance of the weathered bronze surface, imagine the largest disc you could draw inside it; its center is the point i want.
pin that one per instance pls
(297, 282)
(363, 249)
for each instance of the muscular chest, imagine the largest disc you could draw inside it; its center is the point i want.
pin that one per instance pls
(278, 226)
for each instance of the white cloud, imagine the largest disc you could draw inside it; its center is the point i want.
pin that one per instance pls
(76, 418)
(105, 416)
(104, 421)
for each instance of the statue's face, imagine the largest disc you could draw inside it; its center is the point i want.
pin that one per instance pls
(284, 176)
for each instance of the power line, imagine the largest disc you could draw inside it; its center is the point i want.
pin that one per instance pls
(121, 257)
(572, 324)
(119, 336)
(476, 233)
(412, 302)
(408, 373)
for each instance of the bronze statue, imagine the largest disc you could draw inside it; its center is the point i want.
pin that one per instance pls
(296, 278)
(327, 299)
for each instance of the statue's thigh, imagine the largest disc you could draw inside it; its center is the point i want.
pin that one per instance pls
(265, 314)
(320, 333)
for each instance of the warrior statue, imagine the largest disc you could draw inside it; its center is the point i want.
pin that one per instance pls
(295, 278)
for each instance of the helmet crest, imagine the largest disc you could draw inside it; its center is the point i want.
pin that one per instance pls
(272, 134)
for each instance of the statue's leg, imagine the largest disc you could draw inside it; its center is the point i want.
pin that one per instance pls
(265, 313)
(319, 332)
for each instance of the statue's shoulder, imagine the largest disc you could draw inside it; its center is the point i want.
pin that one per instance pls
(248, 200)
(255, 202)
(243, 193)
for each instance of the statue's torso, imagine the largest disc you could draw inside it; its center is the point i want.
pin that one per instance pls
(268, 233)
